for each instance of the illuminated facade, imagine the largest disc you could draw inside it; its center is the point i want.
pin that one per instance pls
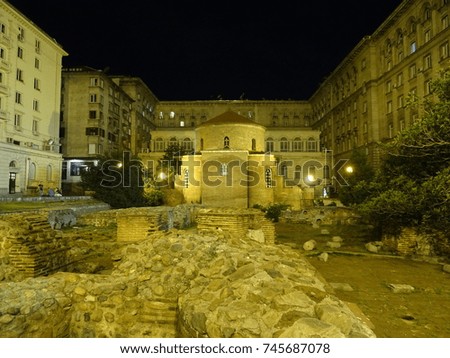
(364, 100)
(30, 87)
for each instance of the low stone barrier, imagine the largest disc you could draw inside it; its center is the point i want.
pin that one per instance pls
(327, 215)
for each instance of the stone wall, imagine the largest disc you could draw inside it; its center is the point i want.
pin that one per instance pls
(327, 215)
(409, 243)
(235, 222)
(182, 284)
(29, 247)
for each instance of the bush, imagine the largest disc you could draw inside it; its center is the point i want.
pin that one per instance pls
(273, 211)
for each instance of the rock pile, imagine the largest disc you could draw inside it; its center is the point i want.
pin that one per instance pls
(183, 284)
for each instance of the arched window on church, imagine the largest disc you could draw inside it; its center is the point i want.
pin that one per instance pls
(268, 178)
(253, 144)
(226, 142)
(224, 169)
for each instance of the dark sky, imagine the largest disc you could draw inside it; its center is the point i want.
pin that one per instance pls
(189, 50)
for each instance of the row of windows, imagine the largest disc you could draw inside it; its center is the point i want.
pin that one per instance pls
(283, 144)
(19, 127)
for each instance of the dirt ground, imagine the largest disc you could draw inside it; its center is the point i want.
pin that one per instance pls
(423, 313)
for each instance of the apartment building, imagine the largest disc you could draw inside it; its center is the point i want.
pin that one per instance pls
(365, 100)
(30, 87)
(142, 112)
(95, 121)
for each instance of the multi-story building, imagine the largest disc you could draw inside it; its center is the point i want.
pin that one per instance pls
(142, 113)
(95, 121)
(365, 99)
(30, 87)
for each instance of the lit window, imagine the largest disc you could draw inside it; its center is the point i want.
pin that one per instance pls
(413, 47)
(224, 169)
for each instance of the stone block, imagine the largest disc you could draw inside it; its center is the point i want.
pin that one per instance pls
(333, 245)
(309, 245)
(338, 286)
(400, 288)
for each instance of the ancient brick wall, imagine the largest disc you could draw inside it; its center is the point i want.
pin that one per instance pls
(29, 247)
(236, 222)
(409, 242)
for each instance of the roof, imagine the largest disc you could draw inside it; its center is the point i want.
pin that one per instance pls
(229, 117)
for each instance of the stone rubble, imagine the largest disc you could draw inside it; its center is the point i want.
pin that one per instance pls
(400, 288)
(182, 284)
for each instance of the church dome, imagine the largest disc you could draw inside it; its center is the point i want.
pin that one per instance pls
(230, 131)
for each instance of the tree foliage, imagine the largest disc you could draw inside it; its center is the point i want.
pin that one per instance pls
(412, 187)
(117, 182)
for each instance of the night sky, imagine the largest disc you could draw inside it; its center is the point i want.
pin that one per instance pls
(201, 50)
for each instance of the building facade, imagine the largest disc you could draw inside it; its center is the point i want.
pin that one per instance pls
(366, 99)
(95, 121)
(273, 137)
(30, 87)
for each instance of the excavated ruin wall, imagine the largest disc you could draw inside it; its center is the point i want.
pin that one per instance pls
(29, 247)
(179, 284)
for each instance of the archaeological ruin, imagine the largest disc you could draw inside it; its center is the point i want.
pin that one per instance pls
(187, 271)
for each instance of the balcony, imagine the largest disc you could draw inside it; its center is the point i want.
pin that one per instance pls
(4, 115)
(5, 65)
(5, 40)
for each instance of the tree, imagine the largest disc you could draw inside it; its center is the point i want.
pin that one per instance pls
(170, 163)
(118, 182)
(355, 188)
(412, 187)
